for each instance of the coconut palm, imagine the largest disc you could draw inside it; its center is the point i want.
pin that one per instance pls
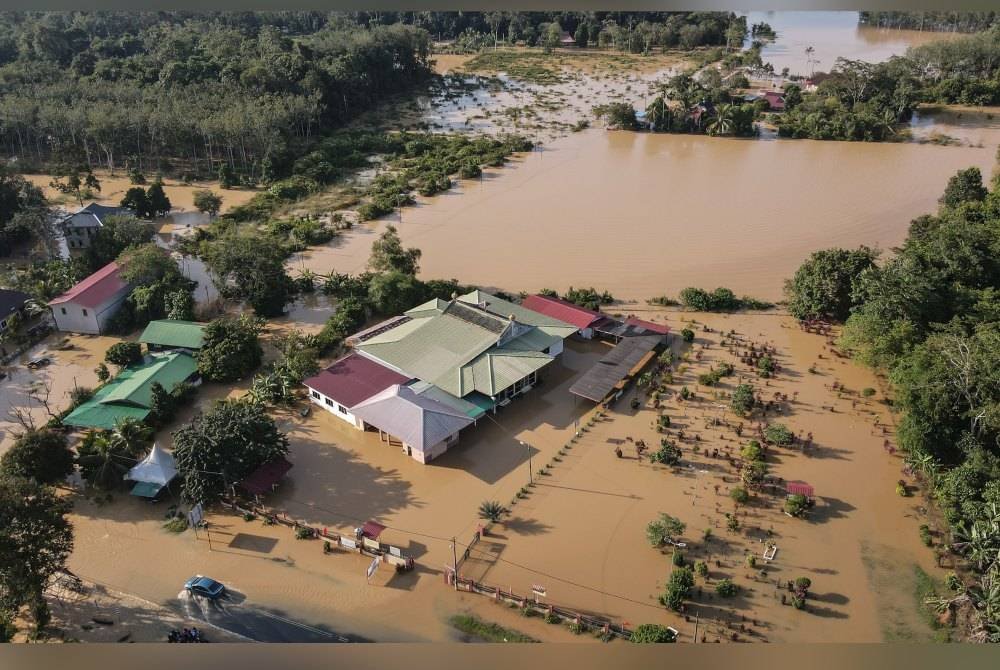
(722, 122)
(491, 510)
(658, 114)
(131, 437)
(103, 463)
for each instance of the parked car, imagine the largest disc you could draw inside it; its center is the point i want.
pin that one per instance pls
(38, 362)
(205, 587)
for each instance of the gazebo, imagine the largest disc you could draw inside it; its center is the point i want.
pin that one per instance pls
(153, 473)
(800, 488)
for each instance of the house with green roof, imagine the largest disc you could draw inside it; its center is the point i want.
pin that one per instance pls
(129, 395)
(173, 334)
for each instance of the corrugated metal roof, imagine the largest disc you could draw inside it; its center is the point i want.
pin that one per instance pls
(174, 333)
(505, 308)
(597, 382)
(129, 394)
(95, 289)
(353, 379)
(498, 369)
(417, 420)
(434, 393)
(563, 310)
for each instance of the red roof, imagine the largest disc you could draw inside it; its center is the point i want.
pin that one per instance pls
(563, 310)
(264, 478)
(799, 488)
(95, 290)
(660, 328)
(775, 99)
(372, 529)
(353, 379)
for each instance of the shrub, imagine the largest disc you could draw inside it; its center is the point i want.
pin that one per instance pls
(726, 588)
(868, 392)
(678, 559)
(491, 510)
(687, 335)
(739, 495)
(678, 588)
(701, 569)
(123, 354)
(778, 433)
(743, 399)
(304, 533)
(668, 454)
(796, 505)
(925, 535)
(651, 633)
(752, 451)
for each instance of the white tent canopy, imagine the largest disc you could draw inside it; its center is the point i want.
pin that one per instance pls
(158, 467)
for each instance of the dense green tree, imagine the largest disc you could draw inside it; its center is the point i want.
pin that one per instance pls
(250, 267)
(219, 449)
(743, 399)
(678, 588)
(231, 349)
(389, 255)
(116, 235)
(43, 455)
(35, 541)
(822, 286)
(650, 633)
(664, 530)
(207, 202)
(395, 292)
(965, 186)
(124, 354)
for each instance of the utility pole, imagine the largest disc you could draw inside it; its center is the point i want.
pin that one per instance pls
(528, 447)
(697, 617)
(454, 564)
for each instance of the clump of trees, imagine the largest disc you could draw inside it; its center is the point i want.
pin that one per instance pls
(149, 203)
(231, 348)
(678, 588)
(159, 289)
(220, 448)
(24, 214)
(651, 633)
(823, 285)
(720, 300)
(743, 400)
(42, 455)
(36, 538)
(927, 317)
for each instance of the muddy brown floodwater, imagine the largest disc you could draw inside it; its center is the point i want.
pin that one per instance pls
(643, 215)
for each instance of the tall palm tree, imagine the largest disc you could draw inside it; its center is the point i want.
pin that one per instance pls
(658, 114)
(131, 437)
(722, 122)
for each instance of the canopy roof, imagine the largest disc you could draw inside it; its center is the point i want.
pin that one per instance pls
(158, 467)
(174, 333)
(417, 420)
(800, 488)
(263, 479)
(597, 382)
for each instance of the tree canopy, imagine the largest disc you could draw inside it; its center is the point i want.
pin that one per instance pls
(231, 348)
(222, 447)
(823, 285)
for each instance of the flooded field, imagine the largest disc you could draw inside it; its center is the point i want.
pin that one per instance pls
(832, 35)
(644, 215)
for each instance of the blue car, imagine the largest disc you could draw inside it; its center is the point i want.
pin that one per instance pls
(205, 587)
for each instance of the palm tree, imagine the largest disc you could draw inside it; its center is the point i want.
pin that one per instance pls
(492, 511)
(658, 114)
(131, 437)
(102, 462)
(722, 122)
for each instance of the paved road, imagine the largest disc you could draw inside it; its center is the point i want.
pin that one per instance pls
(255, 623)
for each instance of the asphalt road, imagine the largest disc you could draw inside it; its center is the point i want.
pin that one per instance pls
(230, 613)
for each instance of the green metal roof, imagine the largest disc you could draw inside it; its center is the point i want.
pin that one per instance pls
(174, 333)
(498, 369)
(129, 394)
(434, 393)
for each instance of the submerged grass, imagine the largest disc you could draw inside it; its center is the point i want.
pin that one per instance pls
(901, 589)
(487, 630)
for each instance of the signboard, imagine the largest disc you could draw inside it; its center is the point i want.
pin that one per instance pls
(196, 515)
(373, 567)
(395, 551)
(348, 542)
(370, 543)
(538, 590)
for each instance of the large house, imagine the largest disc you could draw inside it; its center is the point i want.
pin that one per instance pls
(420, 378)
(88, 306)
(81, 226)
(129, 395)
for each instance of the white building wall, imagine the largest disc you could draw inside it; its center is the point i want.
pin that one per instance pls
(586, 333)
(74, 318)
(335, 408)
(556, 349)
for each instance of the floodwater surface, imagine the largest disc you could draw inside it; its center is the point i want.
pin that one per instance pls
(644, 215)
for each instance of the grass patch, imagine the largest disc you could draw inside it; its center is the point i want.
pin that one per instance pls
(899, 600)
(486, 630)
(925, 587)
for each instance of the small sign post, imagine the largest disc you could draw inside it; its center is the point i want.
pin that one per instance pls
(195, 517)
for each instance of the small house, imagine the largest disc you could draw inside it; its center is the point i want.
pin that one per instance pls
(130, 394)
(81, 226)
(173, 335)
(775, 100)
(11, 305)
(349, 381)
(88, 306)
(567, 40)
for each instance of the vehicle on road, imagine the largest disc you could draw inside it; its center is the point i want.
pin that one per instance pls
(38, 362)
(205, 587)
